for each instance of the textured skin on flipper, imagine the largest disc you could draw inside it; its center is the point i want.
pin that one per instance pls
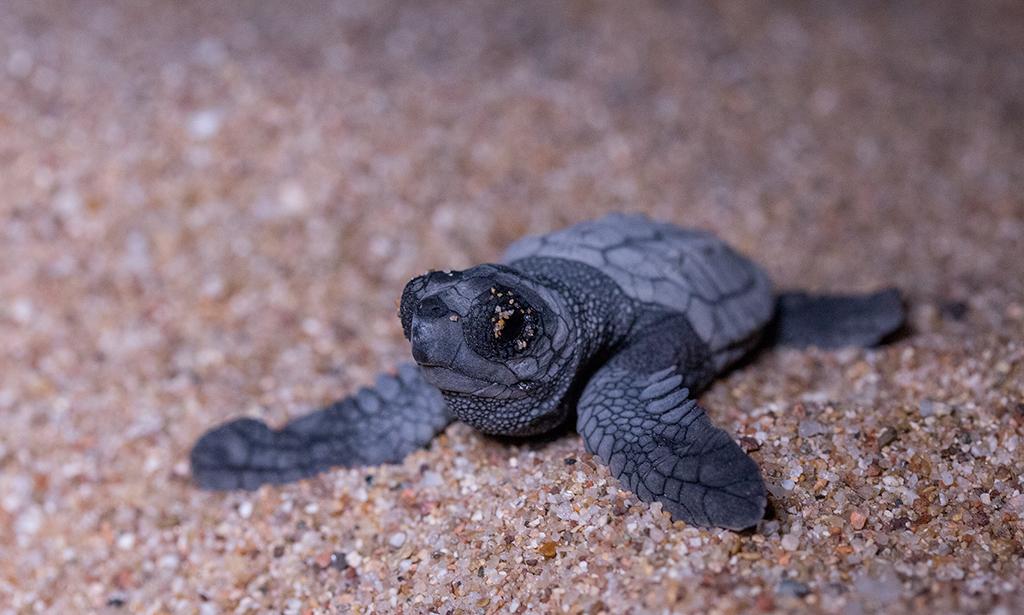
(382, 424)
(833, 321)
(639, 415)
(727, 298)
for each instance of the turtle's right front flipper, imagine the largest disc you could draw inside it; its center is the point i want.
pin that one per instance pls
(376, 425)
(639, 415)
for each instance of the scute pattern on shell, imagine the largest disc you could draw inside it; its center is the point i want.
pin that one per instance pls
(726, 297)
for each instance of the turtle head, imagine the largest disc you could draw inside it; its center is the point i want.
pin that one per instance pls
(491, 340)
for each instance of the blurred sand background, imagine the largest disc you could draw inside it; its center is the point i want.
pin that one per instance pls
(209, 209)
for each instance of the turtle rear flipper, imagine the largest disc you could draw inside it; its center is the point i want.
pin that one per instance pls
(833, 321)
(376, 425)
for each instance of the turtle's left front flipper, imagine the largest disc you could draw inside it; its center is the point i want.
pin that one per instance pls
(376, 425)
(638, 416)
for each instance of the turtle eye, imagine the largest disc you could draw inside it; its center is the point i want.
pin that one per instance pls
(508, 322)
(501, 324)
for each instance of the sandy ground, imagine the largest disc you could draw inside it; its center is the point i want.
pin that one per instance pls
(210, 210)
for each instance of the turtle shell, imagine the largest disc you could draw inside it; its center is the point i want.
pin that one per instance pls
(726, 298)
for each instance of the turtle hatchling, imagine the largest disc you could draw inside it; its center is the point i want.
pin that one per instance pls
(617, 324)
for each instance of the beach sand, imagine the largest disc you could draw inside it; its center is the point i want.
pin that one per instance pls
(210, 209)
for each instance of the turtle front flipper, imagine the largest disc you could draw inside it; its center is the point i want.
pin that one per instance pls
(376, 425)
(638, 415)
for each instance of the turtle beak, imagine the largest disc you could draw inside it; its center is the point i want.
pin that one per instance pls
(438, 346)
(435, 333)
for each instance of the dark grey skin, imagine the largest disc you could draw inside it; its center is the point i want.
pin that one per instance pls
(619, 323)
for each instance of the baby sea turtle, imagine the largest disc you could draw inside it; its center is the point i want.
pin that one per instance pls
(619, 323)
